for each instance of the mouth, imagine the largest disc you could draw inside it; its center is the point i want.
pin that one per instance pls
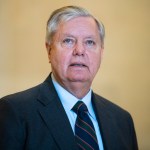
(78, 65)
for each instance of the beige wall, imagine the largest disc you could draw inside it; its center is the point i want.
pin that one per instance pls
(124, 77)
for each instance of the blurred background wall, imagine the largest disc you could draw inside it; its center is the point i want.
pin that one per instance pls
(124, 77)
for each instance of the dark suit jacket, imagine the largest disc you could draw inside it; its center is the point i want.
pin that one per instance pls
(36, 120)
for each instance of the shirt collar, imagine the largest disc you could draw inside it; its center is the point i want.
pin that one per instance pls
(68, 100)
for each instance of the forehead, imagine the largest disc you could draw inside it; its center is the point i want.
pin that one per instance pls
(80, 26)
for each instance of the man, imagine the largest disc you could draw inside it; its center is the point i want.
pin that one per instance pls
(44, 117)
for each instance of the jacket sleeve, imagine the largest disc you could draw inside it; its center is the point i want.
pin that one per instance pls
(133, 134)
(11, 132)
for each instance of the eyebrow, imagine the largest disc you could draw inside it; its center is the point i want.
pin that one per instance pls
(68, 35)
(72, 36)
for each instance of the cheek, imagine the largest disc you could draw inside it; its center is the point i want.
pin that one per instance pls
(59, 60)
(95, 61)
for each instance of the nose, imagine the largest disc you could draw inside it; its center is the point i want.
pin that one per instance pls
(79, 49)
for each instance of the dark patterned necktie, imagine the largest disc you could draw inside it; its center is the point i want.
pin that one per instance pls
(84, 130)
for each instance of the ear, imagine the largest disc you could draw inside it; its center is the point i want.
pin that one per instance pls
(48, 47)
(102, 51)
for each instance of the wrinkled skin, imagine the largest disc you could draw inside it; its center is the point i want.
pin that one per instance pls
(75, 68)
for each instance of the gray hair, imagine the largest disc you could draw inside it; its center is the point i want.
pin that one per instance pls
(65, 14)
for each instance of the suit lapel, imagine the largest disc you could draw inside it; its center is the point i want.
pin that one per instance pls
(54, 116)
(105, 122)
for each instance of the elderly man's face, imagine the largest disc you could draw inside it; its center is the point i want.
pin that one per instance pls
(75, 53)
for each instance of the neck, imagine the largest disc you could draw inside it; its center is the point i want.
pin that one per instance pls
(79, 90)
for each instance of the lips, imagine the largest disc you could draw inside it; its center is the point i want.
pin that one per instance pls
(78, 65)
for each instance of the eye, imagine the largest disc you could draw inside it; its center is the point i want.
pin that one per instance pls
(68, 42)
(90, 43)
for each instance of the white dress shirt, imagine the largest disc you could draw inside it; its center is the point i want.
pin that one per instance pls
(68, 101)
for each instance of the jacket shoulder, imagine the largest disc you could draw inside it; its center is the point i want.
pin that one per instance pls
(110, 106)
(22, 95)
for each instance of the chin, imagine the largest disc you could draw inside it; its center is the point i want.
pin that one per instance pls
(79, 79)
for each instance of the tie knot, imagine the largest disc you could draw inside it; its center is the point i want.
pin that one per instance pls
(80, 107)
